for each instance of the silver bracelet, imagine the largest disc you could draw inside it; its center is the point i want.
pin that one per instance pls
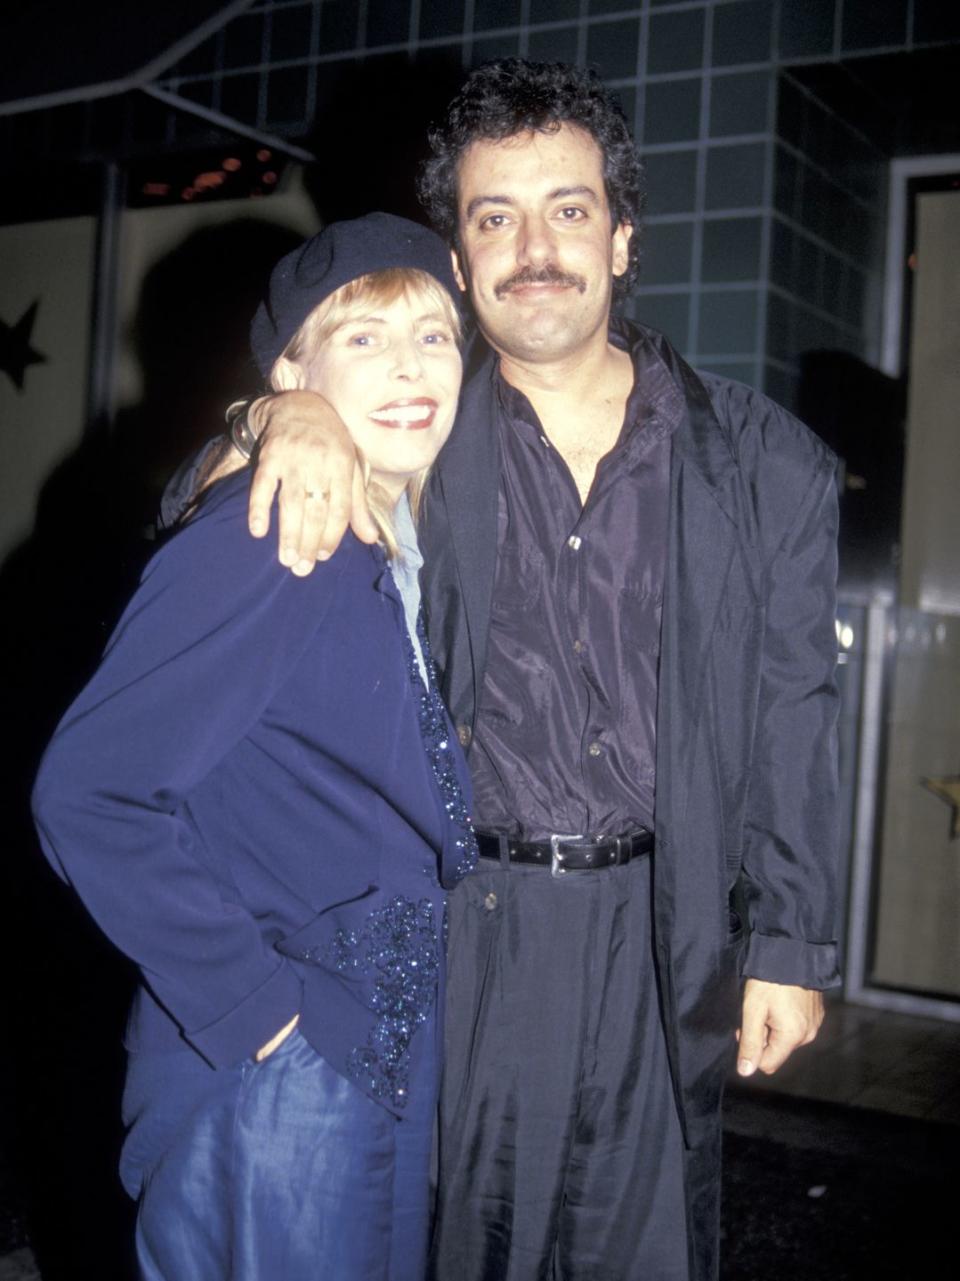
(241, 437)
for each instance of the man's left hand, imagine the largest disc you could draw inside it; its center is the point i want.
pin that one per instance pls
(775, 1020)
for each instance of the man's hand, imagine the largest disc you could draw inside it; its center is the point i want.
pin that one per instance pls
(306, 451)
(275, 1042)
(775, 1020)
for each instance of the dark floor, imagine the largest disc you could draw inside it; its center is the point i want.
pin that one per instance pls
(875, 1059)
(863, 1058)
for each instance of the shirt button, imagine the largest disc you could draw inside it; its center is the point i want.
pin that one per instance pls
(595, 749)
(490, 902)
(574, 541)
(578, 646)
(464, 734)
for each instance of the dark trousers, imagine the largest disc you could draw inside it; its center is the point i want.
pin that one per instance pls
(274, 1171)
(561, 1157)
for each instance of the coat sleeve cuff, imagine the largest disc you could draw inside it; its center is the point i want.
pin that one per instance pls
(250, 1025)
(791, 961)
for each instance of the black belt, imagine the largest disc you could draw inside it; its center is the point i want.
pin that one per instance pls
(570, 853)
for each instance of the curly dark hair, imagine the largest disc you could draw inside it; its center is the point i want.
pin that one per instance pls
(512, 95)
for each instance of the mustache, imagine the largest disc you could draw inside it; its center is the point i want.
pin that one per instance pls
(545, 275)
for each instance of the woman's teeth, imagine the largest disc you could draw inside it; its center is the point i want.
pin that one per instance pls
(402, 415)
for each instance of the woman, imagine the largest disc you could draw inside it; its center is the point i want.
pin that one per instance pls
(258, 799)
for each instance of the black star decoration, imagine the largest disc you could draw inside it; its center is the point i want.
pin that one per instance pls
(16, 354)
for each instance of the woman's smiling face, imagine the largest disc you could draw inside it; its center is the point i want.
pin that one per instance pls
(392, 372)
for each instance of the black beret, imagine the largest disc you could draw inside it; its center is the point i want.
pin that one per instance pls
(340, 253)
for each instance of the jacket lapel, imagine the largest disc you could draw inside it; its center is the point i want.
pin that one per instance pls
(467, 480)
(703, 535)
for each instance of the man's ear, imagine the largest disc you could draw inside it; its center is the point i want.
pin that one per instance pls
(621, 248)
(460, 277)
(286, 375)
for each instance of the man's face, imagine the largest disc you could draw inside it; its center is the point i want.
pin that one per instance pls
(537, 253)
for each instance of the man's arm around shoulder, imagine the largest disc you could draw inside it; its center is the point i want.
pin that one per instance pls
(302, 450)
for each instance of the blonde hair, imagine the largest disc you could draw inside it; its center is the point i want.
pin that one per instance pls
(378, 289)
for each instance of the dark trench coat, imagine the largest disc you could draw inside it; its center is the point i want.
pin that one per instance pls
(746, 761)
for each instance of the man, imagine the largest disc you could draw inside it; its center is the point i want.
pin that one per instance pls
(629, 583)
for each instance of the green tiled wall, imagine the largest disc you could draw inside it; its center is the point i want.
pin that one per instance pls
(765, 207)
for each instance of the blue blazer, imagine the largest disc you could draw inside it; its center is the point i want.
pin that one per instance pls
(243, 799)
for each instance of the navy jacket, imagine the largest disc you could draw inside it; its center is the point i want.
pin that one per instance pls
(243, 799)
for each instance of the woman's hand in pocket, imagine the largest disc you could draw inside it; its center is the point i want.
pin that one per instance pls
(275, 1042)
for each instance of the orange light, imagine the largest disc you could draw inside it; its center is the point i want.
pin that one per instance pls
(213, 178)
(156, 188)
(188, 193)
(231, 164)
(269, 178)
(263, 155)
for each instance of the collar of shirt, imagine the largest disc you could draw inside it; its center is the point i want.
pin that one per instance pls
(653, 409)
(406, 569)
(406, 533)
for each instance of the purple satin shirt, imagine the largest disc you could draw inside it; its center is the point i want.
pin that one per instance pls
(566, 730)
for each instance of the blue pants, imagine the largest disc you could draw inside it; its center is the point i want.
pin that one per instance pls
(274, 1171)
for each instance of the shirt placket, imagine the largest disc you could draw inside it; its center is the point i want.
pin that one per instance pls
(584, 610)
(568, 543)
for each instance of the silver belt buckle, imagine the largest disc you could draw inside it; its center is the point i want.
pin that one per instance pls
(556, 854)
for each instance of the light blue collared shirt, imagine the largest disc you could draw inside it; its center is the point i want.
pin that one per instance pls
(406, 574)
